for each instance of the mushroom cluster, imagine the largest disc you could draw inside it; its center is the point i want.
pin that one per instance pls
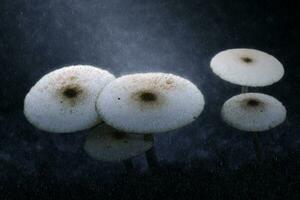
(251, 112)
(133, 108)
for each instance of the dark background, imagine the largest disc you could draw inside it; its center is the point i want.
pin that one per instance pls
(205, 159)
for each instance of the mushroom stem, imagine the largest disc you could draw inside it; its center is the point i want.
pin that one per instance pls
(244, 89)
(151, 155)
(257, 146)
(129, 166)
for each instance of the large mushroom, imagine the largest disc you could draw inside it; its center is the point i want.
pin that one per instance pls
(150, 103)
(64, 100)
(253, 112)
(247, 67)
(107, 144)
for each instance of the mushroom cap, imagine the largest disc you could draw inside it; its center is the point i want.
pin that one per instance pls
(149, 103)
(247, 67)
(105, 143)
(64, 100)
(253, 112)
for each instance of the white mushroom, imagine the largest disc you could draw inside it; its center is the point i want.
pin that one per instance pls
(253, 112)
(150, 103)
(64, 100)
(247, 67)
(105, 143)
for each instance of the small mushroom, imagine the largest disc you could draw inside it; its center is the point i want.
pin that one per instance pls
(64, 100)
(107, 144)
(247, 68)
(150, 103)
(253, 112)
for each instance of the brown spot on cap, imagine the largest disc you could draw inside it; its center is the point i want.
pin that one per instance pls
(148, 99)
(71, 94)
(148, 96)
(253, 102)
(246, 59)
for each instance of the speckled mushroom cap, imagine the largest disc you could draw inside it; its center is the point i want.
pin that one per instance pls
(150, 103)
(105, 143)
(253, 112)
(247, 67)
(64, 100)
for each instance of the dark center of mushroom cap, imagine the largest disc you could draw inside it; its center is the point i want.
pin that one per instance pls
(148, 97)
(253, 102)
(71, 92)
(246, 59)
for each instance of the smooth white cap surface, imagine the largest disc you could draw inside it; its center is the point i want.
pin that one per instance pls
(150, 103)
(247, 67)
(105, 143)
(64, 100)
(253, 112)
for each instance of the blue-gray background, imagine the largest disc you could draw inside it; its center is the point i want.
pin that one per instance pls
(128, 36)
